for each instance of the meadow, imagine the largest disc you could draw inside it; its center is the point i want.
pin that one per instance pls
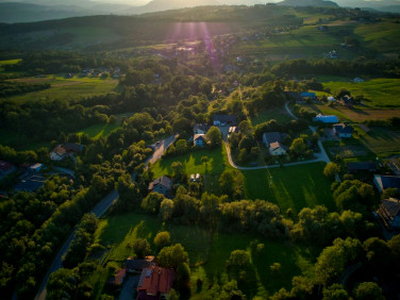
(378, 93)
(66, 88)
(382, 141)
(279, 114)
(208, 252)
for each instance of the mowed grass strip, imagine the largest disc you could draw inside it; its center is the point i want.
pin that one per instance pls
(121, 231)
(382, 141)
(292, 187)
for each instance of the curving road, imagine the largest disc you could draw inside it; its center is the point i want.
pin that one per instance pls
(322, 156)
(99, 210)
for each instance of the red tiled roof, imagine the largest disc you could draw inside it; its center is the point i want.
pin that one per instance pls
(156, 280)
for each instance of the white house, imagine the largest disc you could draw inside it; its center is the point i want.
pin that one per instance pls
(332, 99)
(277, 148)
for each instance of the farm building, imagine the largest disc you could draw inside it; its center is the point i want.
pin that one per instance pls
(326, 119)
(368, 166)
(389, 211)
(308, 95)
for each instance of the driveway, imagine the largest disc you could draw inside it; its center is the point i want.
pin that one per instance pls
(129, 287)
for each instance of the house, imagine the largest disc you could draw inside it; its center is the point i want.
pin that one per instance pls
(272, 137)
(36, 168)
(118, 278)
(368, 166)
(200, 128)
(199, 140)
(343, 130)
(277, 148)
(389, 211)
(308, 95)
(30, 183)
(223, 120)
(326, 119)
(162, 185)
(347, 101)
(155, 283)
(383, 182)
(137, 265)
(6, 168)
(62, 151)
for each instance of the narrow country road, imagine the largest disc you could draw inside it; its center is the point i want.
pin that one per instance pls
(99, 210)
(322, 156)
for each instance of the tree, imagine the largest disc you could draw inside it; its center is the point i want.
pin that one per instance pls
(298, 147)
(177, 167)
(239, 258)
(152, 202)
(330, 170)
(173, 256)
(141, 247)
(368, 291)
(214, 136)
(231, 183)
(335, 292)
(166, 209)
(162, 239)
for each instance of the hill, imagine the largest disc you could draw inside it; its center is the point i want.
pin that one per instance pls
(314, 3)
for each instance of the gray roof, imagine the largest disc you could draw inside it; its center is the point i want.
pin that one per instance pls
(361, 166)
(387, 181)
(163, 180)
(273, 137)
(225, 118)
(343, 128)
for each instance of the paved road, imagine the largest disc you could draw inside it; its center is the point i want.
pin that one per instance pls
(99, 210)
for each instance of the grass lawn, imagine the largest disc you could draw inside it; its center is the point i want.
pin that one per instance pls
(279, 114)
(192, 164)
(381, 92)
(293, 187)
(69, 89)
(382, 141)
(9, 62)
(121, 231)
(260, 280)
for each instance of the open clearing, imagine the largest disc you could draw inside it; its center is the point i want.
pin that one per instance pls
(209, 252)
(382, 141)
(279, 114)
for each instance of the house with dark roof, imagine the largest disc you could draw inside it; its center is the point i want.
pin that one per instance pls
(6, 168)
(343, 130)
(223, 120)
(162, 185)
(62, 151)
(133, 265)
(200, 128)
(389, 212)
(367, 166)
(30, 183)
(36, 168)
(383, 182)
(155, 283)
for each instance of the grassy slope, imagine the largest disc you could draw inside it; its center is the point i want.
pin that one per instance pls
(382, 141)
(381, 92)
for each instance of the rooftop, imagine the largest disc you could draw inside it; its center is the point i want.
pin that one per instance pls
(156, 280)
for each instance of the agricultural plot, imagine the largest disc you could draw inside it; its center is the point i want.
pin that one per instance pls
(66, 89)
(382, 141)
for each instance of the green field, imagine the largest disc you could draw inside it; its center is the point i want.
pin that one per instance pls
(381, 36)
(192, 164)
(66, 88)
(383, 142)
(293, 187)
(279, 114)
(208, 253)
(379, 93)
(9, 62)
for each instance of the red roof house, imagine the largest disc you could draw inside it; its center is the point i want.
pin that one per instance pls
(154, 283)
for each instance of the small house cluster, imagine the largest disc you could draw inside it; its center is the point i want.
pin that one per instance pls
(65, 150)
